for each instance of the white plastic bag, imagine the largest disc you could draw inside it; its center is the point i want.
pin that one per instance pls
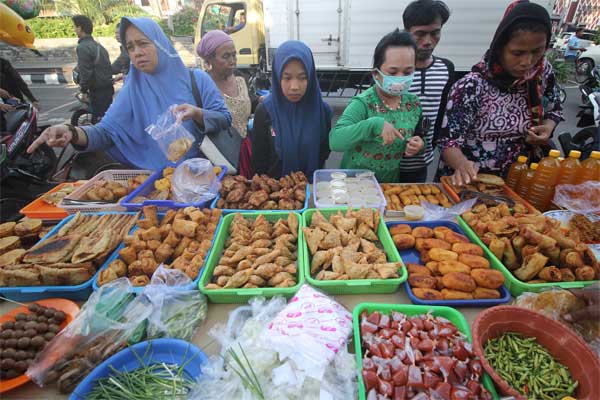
(173, 139)
(435, 213)
(194, 181)
(582, 199)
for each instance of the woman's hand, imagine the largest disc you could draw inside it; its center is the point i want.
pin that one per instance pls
(414, 145)
(56, 136)
(465, 173)
(6, 108)
(183, 112)
(591, 296)
(4, 94)
(540, 133)
(389, 134)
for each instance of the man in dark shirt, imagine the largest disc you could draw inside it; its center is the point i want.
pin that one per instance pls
(12, 85)
(93, 63)
(121, 64)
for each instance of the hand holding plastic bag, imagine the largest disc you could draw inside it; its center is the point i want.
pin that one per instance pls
(173, 139)
(195, 181)
(435, 213)
(582, 199)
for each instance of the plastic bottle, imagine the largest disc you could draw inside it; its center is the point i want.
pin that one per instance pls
(516, 171)
(541, 191)
(525, 180)
(590, 169)
(569, 169)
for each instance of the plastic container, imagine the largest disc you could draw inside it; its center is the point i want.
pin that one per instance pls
(526, 179)
(32, 293)
(590, 169)
(355, 286)
(68, 307)
(450, 314)
(231, 210)
(512, 283)
(369, 194)
(560, 341)
(541, 192)
(414, 213)
(111, 175)
(413, 256)
(516, 171)
(168, 351)
(569, 168)
(139, 289)
(163, 205)
(42, 210)
(241, 295)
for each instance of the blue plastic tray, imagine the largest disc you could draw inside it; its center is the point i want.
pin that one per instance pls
(169, 351)
(32, 293)
(138, 290)
(148, 186)
(412, 256)
(231, 211)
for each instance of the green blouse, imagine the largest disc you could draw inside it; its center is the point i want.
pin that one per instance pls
(357, 133)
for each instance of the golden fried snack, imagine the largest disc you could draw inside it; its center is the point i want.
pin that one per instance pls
(140, 280)
(223, 270)
(509, 257)
(422, 232)
(28, 226)
(550, 274)
(446, 267)
(487, 278)
(396, 229)
(7, 229)
(427, 294)
(566, 275)
(151, 214)
(496, 246)
(467, 248)
(183, 244)
(152, 233)
(585, 273)
(185, 228)
(574, 259)
(433, 266)
(532, 265)
(403, 241)
(459, 281)
(421, 281)
(437, 254)
(12, 257)
(128, 254)
(239, 279)
(455, 237)
(9, 243)
(440, 231)
(450, 294)
(474, 261)
(417, 269)
(485, 293)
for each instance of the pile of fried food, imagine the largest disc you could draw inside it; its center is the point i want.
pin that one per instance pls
(180, 240)
(259, 253)
(534, 247)
(347, 247)
(55, 198)
(72, 255)
(398, 196)
(15, 238)
(179, 148)
(453, 267)
(263, 193)
(113, 191)
(485, 183)
(589, 232)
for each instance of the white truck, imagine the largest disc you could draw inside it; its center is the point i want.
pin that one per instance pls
(343, 33)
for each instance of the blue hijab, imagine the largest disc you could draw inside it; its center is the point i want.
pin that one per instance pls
(144, 97)
(300, 127)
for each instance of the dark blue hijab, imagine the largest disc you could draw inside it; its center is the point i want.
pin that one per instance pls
(299, 127)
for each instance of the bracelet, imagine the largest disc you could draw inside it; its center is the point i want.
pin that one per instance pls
(75, 134)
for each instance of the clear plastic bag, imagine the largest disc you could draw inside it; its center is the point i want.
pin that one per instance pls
(582, 199)
(111, 318)
(177, 313)
(172, 137)
(434, 212)
(194, 181)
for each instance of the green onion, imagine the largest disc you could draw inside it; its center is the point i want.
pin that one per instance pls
(245, 372)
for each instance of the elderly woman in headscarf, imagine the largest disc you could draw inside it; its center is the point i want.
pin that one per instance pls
(507, 102)
(219, 54)
(157, 79)
(291, 125)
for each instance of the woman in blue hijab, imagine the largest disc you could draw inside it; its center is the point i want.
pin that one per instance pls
(291, 125)
(157, 79)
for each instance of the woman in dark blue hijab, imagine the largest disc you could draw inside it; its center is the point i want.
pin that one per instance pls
(291, 126)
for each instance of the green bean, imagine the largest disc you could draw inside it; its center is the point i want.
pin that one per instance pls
(528, 367)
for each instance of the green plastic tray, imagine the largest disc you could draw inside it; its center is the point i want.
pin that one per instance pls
(243, 295)
(449, 313)
(514, 285)
(355, 286)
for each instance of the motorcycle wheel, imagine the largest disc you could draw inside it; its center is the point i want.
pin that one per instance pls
(583, 69)
(81, 117)
(562, 95)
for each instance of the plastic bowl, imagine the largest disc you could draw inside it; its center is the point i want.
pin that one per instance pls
(560, 341)
(414, 213)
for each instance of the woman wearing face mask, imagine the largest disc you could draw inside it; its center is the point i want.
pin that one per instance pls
(383, 123)
(291, 124)
(157, 79)
(508, 100)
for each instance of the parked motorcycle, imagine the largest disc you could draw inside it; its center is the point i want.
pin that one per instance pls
(588, 138)
(590, 85)
(82, 112)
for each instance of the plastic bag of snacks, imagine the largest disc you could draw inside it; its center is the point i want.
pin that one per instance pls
(195, 181)
(172, 137)
(246, 348)
(112, 318)
(583, 198)
(177, 311)
(436, 213)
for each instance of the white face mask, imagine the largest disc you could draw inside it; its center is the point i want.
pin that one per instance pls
(395, 85)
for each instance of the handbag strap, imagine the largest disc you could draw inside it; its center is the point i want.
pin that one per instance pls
(195, 91)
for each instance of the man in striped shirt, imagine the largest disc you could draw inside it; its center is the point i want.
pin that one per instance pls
(432, 80)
